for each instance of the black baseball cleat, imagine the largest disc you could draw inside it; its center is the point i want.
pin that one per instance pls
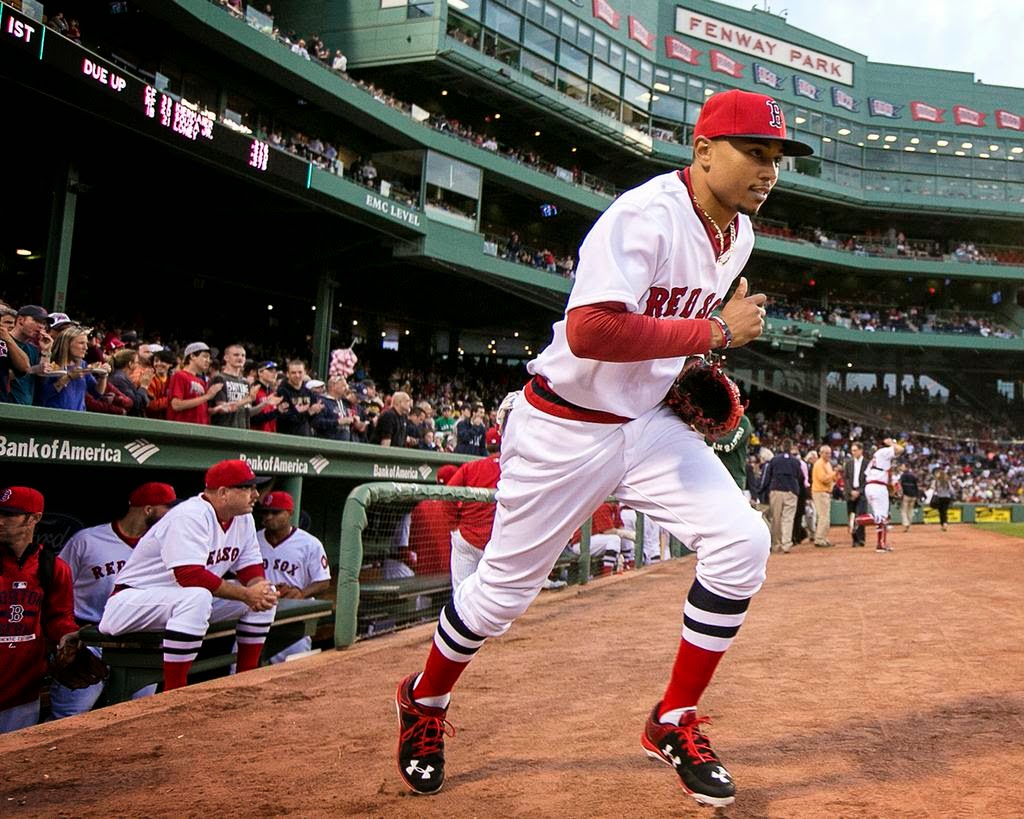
(421, 732)
(686, 749)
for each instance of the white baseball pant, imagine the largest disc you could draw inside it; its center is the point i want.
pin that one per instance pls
(465, 558)
(878, 501)
(555, 472)
(187, 610)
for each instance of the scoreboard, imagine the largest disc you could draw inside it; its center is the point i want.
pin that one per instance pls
(89, 77)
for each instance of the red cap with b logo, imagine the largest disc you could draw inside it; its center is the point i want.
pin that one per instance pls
(746, 115)
(21, 500)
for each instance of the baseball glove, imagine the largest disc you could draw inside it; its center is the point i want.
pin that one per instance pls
(706, 399)
(82, 670)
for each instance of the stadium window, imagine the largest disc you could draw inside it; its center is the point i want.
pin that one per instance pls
(540, 70)
(607, 103)
(535, 11)
(646, 72)
(539, 40)
(585, 37)
(849, 154)
(572, 86)
(472, 9)
(416, 11)
(503, 22)
(552, 17)
(568, 28)
(662, 81)
(848, 177)
(635, 94)
(672, 108)
(606, 77)
(515, 5)
(600, 46)
(634, 116)
(616, 53)
(573, 59)
(633, 65)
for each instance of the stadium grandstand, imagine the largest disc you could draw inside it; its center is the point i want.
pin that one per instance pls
(408, 182)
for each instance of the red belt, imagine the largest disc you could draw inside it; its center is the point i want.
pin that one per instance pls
(538, 392)
(877, 483)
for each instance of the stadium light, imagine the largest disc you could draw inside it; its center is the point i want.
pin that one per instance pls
(909, 148)
(497, 116)
(872, 137)
(887, 146)
(984, 155)
(966, 145)
(826, 139)
(355, 322)
(1017, 150)
(313, 308)
(444, 92)
(890, 138)
(660, 86)
(942, 143)
(574, 150)
(23, 252)
(915, 140)
(844, 132)
(516, 334)
(270, 307)
(933, 150)
(800, 120)
(959, 153)
(993, 147)
(536, 133)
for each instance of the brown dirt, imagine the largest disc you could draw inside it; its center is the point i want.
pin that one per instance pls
(862, 685)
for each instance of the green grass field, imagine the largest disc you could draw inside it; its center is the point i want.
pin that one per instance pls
(1014, 529)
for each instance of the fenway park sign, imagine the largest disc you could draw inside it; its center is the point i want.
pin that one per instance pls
(763, 46)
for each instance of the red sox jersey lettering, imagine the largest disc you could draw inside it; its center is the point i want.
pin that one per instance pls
(108, 569)
(95, 555)
(663, 303)
(229, 555)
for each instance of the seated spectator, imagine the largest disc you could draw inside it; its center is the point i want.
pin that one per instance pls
(159, 401)
(298, 404)
(131, 379)
(188, 393)
(68, 390)
(340, 62)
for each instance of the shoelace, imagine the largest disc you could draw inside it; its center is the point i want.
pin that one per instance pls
(427, 734)
(697, 745)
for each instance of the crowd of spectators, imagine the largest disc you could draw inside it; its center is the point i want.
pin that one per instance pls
(892, 243)
(891, 319)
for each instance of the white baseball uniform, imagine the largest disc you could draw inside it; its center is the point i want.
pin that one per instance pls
(649, 251)
(877, 479)
(298, 560)
(152, 600)
(652, 536)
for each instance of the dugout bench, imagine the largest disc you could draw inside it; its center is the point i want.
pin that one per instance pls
(136, 658)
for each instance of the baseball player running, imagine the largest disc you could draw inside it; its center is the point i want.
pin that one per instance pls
(174, 580)
(879, 479)
(293, 560)
(591, 423)
(95, 555)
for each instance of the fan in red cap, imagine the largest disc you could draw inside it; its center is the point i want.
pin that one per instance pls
(37, 608)
(173, 582)
(95, 556)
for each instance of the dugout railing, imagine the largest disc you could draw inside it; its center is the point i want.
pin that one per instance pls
(377, 592)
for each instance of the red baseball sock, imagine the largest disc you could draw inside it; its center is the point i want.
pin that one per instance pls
(248, 656)
(439, 675)
(693, 670)
(176, 674)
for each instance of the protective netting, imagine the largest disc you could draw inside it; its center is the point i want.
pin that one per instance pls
(397, 550)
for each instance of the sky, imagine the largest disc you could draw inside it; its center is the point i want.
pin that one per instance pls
(978, 36)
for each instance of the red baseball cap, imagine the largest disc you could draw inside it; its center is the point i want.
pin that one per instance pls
(446, 473)
(278, 502)
(152, 494)
(20, 500)
(493, 437)
(746, 115)
(232, 473)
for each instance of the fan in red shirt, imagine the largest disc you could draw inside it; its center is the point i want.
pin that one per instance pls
(474, 520)
(36, 608)
(430, 529)
(187, 392)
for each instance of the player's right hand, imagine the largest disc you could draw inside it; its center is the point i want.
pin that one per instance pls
(261, 596)
(744, 314)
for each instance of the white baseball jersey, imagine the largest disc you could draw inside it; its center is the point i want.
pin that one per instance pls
(95, 556)
(649, 251)
(298, 560)
(881, 465)
(190, 535)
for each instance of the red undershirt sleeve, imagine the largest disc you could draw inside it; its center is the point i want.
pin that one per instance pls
(607, 332)
(197, 576)
(249, 573)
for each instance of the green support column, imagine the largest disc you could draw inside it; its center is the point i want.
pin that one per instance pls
(584, 564)
(322, 325)
(822, 402)
(638, 544)
(58, 246)
(293, 486)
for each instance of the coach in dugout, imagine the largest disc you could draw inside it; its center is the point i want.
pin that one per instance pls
(174, 580)
(95, 555)
(35, 607)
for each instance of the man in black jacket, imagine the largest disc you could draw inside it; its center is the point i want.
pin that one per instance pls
(854, 478)
(298, 403)
(780, 487)
(910, 491)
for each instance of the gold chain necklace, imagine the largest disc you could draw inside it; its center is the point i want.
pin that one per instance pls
(718, 232)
